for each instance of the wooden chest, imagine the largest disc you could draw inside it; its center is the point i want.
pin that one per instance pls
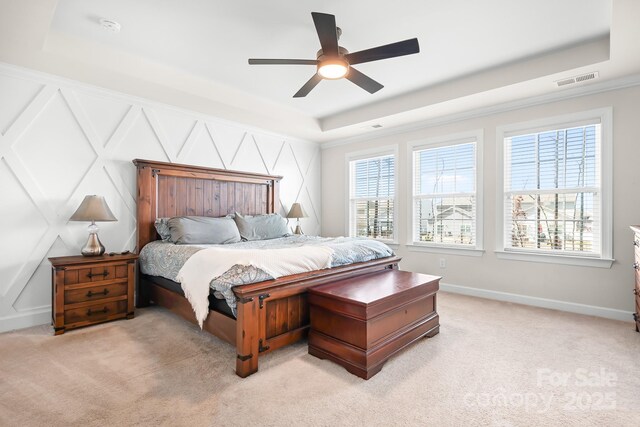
(361, 322)
(89, 290)
(636, 268)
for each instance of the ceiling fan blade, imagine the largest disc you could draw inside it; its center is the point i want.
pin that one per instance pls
(406, 47)
(254, 61)
(364, 81)
(327, 32)
(304, 90)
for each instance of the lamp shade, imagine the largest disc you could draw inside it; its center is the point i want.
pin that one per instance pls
(93, 208)
(296, 211)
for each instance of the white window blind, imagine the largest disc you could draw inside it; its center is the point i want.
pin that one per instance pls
(372, 197)
(552, 184)
(444, 195)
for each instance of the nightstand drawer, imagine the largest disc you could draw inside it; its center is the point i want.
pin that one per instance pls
(72, 296)
(90, 274)
(96, 313)
(88, 290)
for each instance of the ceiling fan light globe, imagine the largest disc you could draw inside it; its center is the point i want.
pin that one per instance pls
(333, 70)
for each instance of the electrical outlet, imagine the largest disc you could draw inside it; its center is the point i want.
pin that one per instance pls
(443, 263)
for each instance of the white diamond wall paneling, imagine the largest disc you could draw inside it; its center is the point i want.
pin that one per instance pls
(61, 140)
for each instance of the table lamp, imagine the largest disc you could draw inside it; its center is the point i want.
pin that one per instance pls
(93, 208)
(297, 212)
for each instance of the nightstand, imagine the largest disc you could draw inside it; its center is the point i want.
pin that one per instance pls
(89, 290)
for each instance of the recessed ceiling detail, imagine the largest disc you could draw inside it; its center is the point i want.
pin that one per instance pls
(193, 55)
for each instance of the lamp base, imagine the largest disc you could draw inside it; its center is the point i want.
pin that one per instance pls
(94, 246)
(298, 230)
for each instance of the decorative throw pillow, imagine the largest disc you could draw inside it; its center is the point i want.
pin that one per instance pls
(261, 227)
(162, 227)
(187, 230)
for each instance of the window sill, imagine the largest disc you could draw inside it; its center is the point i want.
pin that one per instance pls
(555, 259)
(449, 250)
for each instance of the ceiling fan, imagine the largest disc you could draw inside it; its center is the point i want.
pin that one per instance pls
(335, 62)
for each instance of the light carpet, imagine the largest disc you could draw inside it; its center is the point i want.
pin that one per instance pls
(493, 363)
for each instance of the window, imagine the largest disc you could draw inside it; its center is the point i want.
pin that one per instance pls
(555, 202)
(372, 197)
(445, 199)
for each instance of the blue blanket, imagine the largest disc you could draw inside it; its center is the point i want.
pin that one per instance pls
(166, 259)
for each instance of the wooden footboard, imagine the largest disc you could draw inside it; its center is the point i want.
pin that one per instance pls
(271, 314)
(275, 313)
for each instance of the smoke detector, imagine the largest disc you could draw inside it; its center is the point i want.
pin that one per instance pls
(110, 25)
(577, 79)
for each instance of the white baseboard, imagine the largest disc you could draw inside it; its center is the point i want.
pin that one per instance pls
(39, 316)
(571, 307)
(43, 315)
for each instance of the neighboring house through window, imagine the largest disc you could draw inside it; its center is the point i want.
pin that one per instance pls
(554, 186)
(446, 207)
(372, 192)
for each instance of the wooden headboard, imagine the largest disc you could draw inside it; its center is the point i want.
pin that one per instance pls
(170, 189)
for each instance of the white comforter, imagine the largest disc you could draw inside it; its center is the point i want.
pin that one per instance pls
(202, 267)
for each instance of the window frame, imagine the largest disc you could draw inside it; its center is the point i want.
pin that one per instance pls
(603, 116)
(389, 150)
(476, 136)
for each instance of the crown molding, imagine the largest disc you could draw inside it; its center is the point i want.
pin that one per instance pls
(590, 89)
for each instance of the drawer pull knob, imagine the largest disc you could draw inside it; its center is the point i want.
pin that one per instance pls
(105, 273)
(636, 265)
(103, 311)
(636, 243)
(635, 291)
(93, 294)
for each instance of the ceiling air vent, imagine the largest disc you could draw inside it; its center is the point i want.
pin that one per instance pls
(577, 79)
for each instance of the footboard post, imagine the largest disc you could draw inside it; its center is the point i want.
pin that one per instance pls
(247, 336)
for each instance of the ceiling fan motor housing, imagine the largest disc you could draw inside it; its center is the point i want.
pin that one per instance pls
(341, 52)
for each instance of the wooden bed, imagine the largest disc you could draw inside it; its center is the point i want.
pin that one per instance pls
(270, 314)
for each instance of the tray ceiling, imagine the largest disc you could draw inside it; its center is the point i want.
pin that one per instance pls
(193, 54)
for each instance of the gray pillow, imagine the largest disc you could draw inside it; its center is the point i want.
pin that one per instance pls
(187, 230)
(261, 227)
(162, 227)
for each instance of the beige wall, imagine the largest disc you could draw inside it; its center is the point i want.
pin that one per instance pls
(599, 287)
